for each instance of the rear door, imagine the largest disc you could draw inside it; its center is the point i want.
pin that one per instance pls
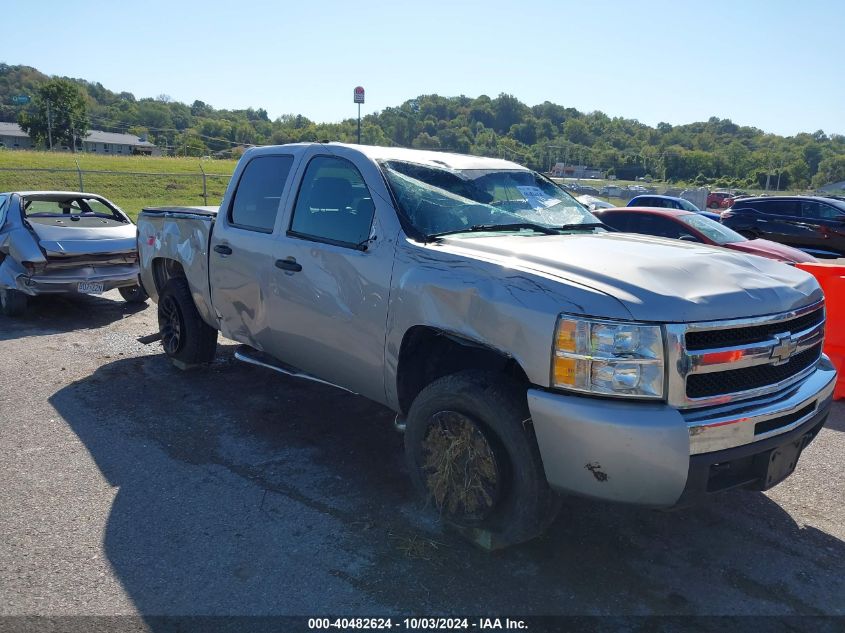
(243, 249)
(781, 221)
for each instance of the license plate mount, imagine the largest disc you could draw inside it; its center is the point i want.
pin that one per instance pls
(782, 462)
(90, 287)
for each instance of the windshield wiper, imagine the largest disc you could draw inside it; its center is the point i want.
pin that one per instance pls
(586, 225)
(491, 228)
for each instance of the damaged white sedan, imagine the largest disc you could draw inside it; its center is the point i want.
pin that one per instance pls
(64, 242)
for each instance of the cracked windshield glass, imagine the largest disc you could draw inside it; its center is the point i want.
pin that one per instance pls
(440, 201)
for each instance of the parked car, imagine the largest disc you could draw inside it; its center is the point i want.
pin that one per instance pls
(716, 198)
(694, 227)
(64, 242)
(583, 189)
(593, 203)
(481, 303)
(813, 224)
(669, 202)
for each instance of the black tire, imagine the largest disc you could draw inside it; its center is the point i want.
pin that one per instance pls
(133, 294)
(12, 302)
(488, 414)
(185, 337)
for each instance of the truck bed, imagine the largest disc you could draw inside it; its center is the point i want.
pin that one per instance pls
(178, 234)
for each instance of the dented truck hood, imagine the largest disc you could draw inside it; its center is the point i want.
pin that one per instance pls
(656, 279)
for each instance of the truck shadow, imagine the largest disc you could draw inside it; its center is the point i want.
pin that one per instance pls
(56, 314)
(244, 492)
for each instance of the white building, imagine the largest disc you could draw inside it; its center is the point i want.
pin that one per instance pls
(96, 141)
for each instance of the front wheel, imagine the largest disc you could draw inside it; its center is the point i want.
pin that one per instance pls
(12, 302)
(185, 337)
(472, 454)
(133, 294)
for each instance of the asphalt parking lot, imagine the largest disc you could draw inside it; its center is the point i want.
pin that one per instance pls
(130, 487)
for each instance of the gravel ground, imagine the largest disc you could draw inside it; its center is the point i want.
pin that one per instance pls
(130, 487)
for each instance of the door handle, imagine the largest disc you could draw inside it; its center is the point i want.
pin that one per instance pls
(222, 249)
(288, 264)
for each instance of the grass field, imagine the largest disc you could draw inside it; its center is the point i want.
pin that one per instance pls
(133, 182)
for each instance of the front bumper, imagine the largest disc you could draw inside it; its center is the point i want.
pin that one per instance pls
(67, 281)
(652, 454)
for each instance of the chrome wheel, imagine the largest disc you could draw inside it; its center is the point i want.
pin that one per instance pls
(170, 325)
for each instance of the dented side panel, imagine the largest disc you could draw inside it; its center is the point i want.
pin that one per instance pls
(502, 306)
(631, 452)
(184, 241)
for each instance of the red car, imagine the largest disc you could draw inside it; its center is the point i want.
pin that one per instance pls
(716, 199)
(694, 227)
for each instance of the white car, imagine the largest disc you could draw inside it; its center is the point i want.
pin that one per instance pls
(593, 203)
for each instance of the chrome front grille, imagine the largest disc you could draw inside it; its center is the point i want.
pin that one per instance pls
(722, 361)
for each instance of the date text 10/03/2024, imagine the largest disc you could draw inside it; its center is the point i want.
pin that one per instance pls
(418, 624)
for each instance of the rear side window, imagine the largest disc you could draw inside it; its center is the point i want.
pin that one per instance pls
(334, 205)
(256, 201)
(779, 207)
(4, 202)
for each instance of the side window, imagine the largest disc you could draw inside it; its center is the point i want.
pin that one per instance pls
(819, 211)
(618, 221)
(780, 207)
(334, 204)
(660, 227)
(4, 200)
(256, 201)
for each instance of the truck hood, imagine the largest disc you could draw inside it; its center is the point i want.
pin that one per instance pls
(655, 279)
(65, 241)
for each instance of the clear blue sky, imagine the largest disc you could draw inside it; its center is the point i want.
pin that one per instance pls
(777, 65)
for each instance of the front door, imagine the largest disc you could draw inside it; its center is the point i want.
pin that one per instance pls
(333, 275)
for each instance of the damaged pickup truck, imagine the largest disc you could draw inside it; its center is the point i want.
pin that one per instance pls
(526, 349)
(64, 242)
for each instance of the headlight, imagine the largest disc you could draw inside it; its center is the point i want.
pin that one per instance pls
(608, 358)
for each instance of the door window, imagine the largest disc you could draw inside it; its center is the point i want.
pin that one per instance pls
(334, 205)
(818, 211)
(256, 201)
(790, 208)
(649, 224)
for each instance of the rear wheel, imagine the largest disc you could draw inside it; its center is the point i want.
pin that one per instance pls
(472, 455)
(133, 294)
(185, 337)
(12, 302)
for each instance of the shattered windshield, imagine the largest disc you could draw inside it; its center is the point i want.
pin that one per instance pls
(441, 200)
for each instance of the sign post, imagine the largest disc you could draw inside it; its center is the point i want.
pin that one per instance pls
(358, 97)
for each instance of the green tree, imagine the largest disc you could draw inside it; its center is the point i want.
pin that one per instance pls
(831, 169)
(58, 113)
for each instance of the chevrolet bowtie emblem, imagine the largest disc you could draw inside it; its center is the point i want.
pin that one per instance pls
(785, 348)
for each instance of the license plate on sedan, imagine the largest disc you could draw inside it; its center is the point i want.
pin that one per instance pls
(90, 287)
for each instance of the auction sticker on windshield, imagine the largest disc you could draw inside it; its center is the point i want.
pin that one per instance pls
(536, 197)
(90, 287)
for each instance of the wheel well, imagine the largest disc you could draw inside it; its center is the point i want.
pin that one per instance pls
(165, 269)
(428, 354)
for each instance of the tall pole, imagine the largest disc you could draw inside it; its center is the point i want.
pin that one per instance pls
(359, 124)
(49, 126)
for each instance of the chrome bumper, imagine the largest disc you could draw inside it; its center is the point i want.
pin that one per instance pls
(641, 452)
(736, 424)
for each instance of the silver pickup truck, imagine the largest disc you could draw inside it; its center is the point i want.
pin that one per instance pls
(526, 349)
